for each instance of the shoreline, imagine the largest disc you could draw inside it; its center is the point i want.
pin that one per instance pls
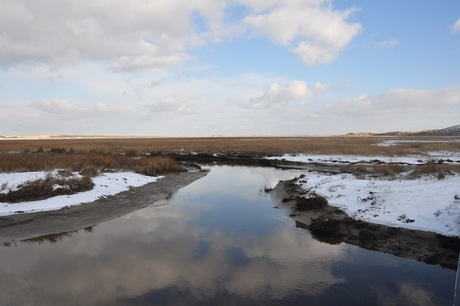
(331, 225)
(18, 227)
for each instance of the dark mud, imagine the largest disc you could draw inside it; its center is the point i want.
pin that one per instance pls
(331, 225)
(261, 161)
(57, 223)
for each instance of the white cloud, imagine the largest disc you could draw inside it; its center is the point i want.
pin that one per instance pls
(313, 30)
(125, 34)
(291, 109)
(130, 35)
(456, 27)
(313, 54)
(295, 91)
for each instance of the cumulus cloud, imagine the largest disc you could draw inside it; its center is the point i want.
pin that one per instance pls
(295, 91)
(313, 30)
(131, 35)
(456, 27)
(126, 35)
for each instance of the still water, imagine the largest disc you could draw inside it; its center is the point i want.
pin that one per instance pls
(218, 241)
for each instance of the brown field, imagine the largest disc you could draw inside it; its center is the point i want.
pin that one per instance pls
(239, 145)
(154, 156)
(149, 154)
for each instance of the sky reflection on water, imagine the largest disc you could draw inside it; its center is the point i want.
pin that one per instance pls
(218, 241)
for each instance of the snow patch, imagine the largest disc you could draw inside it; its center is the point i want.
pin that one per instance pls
(424, 204)
(105, 185)
(343, 159)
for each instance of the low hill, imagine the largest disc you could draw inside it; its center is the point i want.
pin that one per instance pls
(450, 131)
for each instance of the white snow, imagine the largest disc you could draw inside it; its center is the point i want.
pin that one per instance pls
(341, 159)
(105, 185)
(395, 142)
(425, 203)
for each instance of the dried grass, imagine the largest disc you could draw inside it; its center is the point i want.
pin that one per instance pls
(435, 169)
(248, 146)
(89, 163)
(48, 187)
(387, 170)
(138, 154)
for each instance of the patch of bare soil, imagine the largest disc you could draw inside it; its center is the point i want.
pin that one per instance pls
(331, 225)
(21, 227)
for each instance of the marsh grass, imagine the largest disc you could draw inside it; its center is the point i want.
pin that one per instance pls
(147, 155)
(241, 146)
(386, 170)
(87, 163)
(47, 187)
(441, 171)
(394, 170)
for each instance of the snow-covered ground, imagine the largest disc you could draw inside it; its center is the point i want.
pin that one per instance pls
(395, 142)
(425, 204)
(104, 185)
(434, 156)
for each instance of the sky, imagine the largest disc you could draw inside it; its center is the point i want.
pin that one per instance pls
(228, 67)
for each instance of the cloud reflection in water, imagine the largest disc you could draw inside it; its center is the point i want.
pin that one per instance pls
(173, 255)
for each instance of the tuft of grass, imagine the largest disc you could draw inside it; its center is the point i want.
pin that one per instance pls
(387, 170)
(48, 187)
(90, 171)
(390, 169)
(435, 169)
(157, 165)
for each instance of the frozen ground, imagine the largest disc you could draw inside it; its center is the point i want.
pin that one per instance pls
(425, 204)
(395, 142)
(435, 156)
(105, 184)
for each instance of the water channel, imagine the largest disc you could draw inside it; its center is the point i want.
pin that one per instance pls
(218, 241)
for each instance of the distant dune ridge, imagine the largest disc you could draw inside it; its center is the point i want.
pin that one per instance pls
(450, 131)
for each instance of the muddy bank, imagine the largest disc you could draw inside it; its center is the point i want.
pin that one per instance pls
(70, 219)
(257, 161)
(331, 225)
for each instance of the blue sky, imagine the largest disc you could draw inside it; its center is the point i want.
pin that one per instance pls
(228, 67)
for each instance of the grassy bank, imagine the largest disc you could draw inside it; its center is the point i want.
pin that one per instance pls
(76, 169)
